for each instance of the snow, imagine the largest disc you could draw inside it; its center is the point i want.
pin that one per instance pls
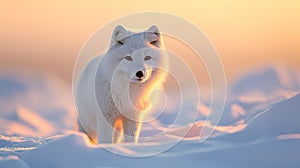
(29, 99)
(260, 127)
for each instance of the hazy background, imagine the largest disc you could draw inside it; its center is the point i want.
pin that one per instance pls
(47, 36)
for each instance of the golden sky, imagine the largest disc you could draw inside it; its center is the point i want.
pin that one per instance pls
(48, 35)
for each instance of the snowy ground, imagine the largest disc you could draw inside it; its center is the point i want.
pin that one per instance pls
(259, 128)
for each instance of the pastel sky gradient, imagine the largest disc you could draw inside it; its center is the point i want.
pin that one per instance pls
(48, 35)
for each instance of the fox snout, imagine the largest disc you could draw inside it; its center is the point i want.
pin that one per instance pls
(140, 74)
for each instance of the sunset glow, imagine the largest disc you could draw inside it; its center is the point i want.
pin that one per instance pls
(150, 83)
(42, 34)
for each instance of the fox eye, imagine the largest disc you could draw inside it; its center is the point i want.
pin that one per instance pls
(121, 42)
(153, 42)
(147, 58)
(128, 58)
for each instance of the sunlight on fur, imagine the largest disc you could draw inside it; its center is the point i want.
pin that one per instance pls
(143, 68)
(146, 104)
(118, 133)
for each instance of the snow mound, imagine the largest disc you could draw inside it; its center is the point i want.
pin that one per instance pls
(256, 90)
(280, 119)
(34, 104)
(258, 145)
(266, 80)
(260, 128)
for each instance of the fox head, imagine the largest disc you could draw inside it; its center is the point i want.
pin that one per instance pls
(135, 57)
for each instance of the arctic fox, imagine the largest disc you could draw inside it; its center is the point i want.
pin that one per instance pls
(113, 90)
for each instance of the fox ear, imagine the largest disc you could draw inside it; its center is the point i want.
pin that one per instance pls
(152, 35)
(118, 35)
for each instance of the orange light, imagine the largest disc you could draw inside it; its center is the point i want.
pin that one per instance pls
(118, 131)
(137, 132)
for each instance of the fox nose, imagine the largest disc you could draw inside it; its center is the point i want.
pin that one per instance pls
(139, 74)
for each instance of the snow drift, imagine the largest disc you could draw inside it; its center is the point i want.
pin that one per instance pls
(259, 128)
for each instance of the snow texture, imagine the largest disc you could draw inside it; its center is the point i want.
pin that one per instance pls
(259, 128)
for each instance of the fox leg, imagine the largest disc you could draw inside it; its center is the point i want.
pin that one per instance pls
(130, 127)
(118, 134)
(105, 129)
